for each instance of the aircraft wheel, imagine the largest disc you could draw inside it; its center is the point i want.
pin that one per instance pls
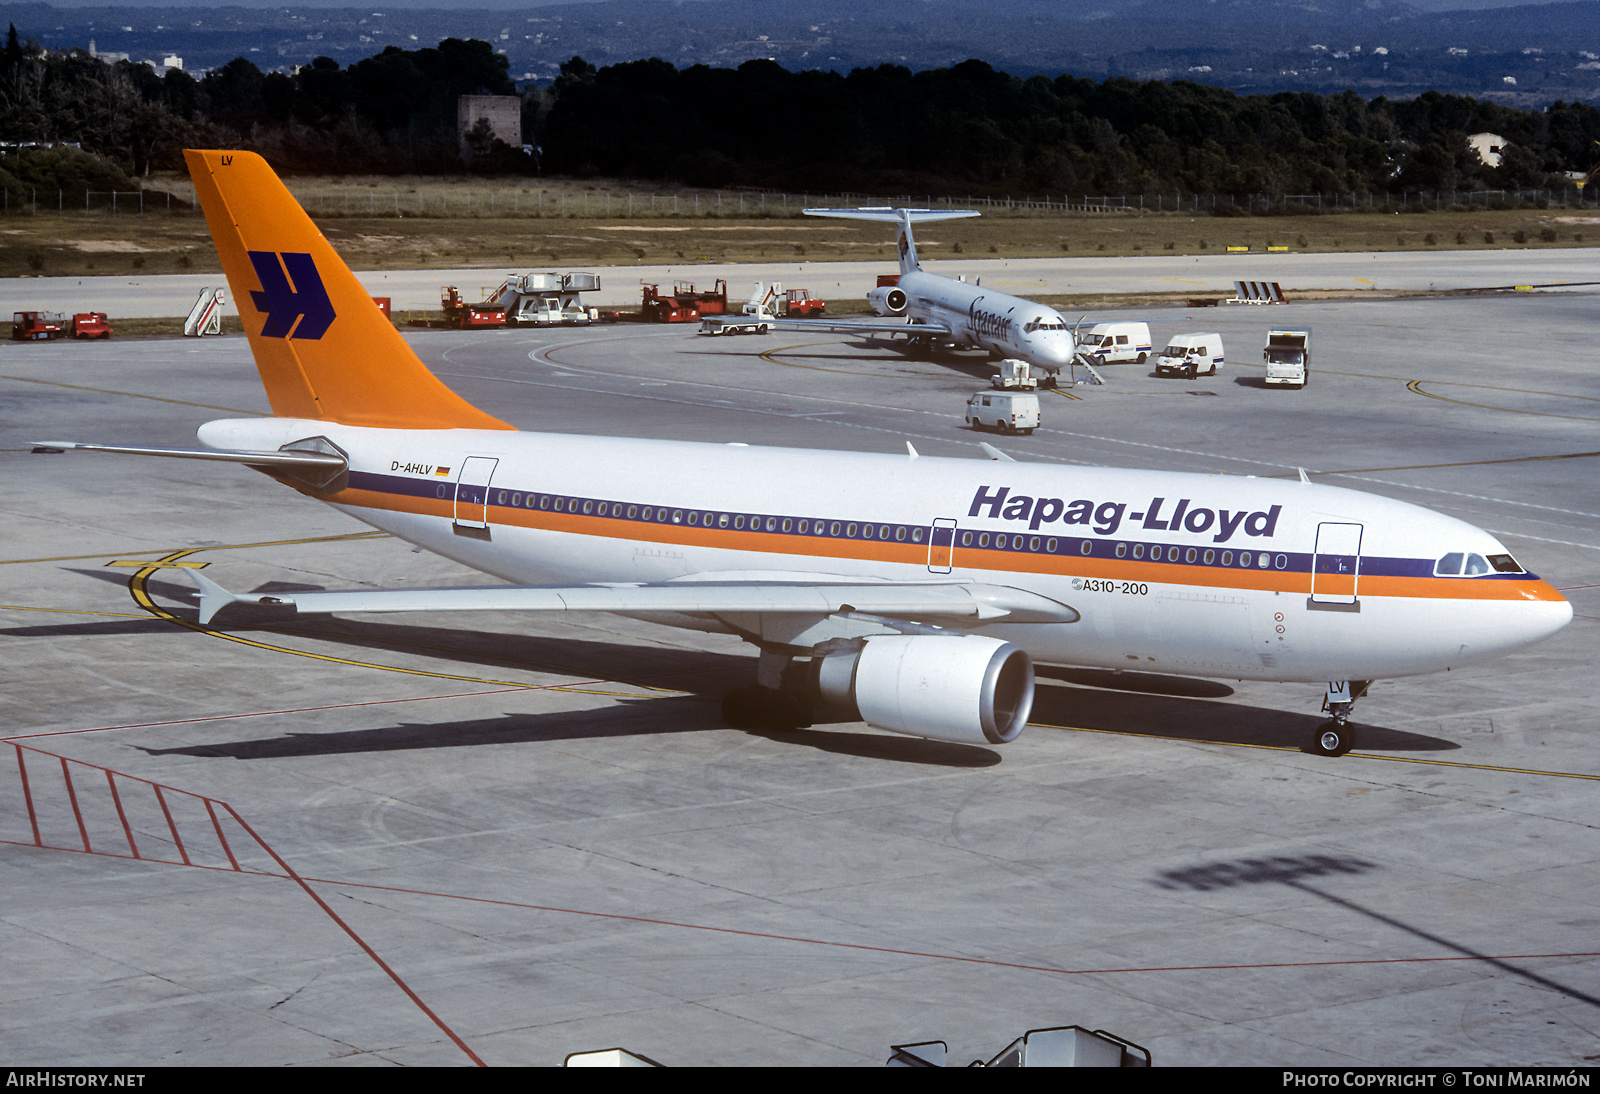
(1333, 739)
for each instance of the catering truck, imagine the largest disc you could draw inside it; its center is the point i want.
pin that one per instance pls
(1288, 357)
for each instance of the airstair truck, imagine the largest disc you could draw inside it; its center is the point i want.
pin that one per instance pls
(1288, 357)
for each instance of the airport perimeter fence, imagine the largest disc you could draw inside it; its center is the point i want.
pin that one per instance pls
(457, 203)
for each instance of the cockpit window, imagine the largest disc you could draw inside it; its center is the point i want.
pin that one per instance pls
(1466, 564)
(1505, 564)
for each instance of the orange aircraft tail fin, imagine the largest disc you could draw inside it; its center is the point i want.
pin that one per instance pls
(323, 348)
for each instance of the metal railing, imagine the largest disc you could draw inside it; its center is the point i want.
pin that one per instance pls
(529, 202)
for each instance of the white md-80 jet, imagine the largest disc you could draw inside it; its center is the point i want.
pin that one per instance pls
(918, 592)
(944, 310)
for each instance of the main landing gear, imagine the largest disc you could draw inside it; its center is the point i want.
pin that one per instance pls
(1337, 736)
(769, 704)
(764, 708)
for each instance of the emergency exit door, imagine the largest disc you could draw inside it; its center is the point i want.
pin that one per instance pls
(1336, 567)
(941, 545)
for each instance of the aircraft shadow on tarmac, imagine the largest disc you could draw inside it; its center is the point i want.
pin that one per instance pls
(1181, 715)
(630, 718)
(1131, 703)
(643, 718)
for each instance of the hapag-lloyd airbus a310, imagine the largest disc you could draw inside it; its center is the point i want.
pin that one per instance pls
(917, 591)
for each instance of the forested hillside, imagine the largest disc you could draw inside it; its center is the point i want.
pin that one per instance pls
(968, 128)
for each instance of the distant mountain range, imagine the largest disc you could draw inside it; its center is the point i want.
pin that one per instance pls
(1526, 55)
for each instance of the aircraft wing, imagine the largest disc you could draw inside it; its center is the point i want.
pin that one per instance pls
(713, 594)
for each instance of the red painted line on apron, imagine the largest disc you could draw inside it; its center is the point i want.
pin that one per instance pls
(126, 830)
(220, 837)
(72, 795)
(27, 796)
(176, 839)
(370, 952)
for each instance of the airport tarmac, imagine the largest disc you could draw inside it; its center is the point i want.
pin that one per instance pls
(506, 838)
(167, 295)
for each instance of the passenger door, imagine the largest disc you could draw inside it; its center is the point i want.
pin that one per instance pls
(1336, 568)
(472, 496)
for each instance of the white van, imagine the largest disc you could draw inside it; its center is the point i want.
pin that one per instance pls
(1115, 343)
(1190, 355)
(1005, 411)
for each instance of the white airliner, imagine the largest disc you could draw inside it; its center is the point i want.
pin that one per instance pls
(962, 315)
(918, 591)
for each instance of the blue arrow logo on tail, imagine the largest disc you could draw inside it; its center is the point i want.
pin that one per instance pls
(283, 303)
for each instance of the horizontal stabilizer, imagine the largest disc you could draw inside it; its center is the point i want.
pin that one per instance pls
(325, 460)
(894, 216)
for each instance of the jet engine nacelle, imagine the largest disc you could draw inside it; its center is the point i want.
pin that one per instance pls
(963, 688)
(888, 300)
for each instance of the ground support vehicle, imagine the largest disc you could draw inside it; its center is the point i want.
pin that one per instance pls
(36, 326)
(1190, 355)
(1015, 374)
(667, 309)
(714, 302)
(1117, 343)
(91, 324)
(1004, 411)
(206, 315)
(797, 303)
(547, 299)
(461, 315)
(754, 321)
(1288, 357)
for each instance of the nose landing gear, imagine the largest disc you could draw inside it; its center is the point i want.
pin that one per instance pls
(1337, 736)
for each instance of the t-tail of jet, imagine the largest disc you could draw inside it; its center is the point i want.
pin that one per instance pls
(323, 348)
(905, 244)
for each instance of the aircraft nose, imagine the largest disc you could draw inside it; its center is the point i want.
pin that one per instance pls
(1544, 613)
(1554, 611)
(1057, 352)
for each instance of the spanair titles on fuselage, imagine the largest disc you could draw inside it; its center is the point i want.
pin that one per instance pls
(951, 310)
